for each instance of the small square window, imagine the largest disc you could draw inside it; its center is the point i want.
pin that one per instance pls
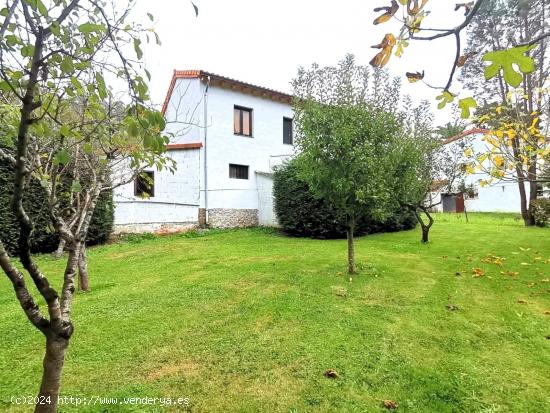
(287, 131)
(242, 121)
(238, 171)
(144, 185)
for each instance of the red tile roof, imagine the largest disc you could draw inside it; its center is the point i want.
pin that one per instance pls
(469, 132)
(183, 146)
(227, 82)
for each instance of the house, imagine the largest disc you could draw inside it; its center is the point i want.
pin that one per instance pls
(500, 196)
(227, 136)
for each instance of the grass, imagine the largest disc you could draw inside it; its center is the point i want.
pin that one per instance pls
(249, 320)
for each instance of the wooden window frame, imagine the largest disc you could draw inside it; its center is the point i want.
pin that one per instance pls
(285, 119)
(241, 124)
(236, 174)
(137, 188)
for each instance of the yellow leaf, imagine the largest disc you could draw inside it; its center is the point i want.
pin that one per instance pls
(468, 152)
(383, 56)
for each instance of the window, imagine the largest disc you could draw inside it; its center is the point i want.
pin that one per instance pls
(242, 121)
(144, 185)
(238, 171)
(287, 131)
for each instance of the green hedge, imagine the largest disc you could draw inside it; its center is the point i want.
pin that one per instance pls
(300, 214)
(44, 240)
(541, 211)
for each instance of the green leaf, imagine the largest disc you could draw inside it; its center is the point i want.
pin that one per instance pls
(88, 148)
(133, 129)
(76, 83)
(15, 76)
(76, 187)
(4, 12)
(101, 88)
(62, 157)
(55, 29)
(41, 8)
(87, 28)
(445, 97)
(150, 16)
(64, 130)
(466, 105)
(67, 65)
(27, 50)
(12, 40)
(137, 48)
(505, 60)
(4, 86)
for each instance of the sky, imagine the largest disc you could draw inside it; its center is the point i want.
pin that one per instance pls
(264, 41)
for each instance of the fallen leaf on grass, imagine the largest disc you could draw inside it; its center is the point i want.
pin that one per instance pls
(531, 285)
(510, 273)
(478, 272)
(546, 280)
(525, 263)
(390, 404)
(457, 273)
(525, 249)
(451, 307)
(547, 312)
(331, 374)
(493, 259)
(521, 301)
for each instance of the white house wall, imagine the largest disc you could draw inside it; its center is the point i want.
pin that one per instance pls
(496, 197)
(185, 112)
(191, 114)
(260, 152)
(175, 203)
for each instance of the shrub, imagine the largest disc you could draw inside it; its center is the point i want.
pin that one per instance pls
(35, 201)
(541, 211)
(300, 214)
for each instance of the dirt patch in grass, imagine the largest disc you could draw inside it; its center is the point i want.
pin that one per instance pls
(184, 368)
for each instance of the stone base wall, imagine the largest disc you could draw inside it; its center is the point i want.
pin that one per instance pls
(202, 217)
(164, 228)
(232, 218)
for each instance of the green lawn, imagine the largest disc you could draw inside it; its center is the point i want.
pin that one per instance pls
(249, 320)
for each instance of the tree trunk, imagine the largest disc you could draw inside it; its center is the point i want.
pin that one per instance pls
(56, 347)
(525, 213)
(83, 280)
(351, 249)
(425, 233)
(60, 248)
(425, 227)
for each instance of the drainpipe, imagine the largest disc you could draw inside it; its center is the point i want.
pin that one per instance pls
(206, 150)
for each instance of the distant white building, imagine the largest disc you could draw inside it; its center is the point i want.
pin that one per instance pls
(228, 136)
(497, 197)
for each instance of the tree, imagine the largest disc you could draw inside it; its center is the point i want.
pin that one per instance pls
(516, 148)
(55, 56)
(519, 157)
(427, 166)
(510, 62)
(346, 140)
